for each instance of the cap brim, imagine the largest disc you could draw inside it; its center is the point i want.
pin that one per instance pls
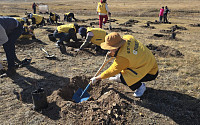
(108, 47)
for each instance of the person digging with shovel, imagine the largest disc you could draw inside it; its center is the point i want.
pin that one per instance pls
(134, 63)
(65, 33)
(92, 35)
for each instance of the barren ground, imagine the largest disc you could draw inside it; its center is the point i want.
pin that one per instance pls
(173, 98)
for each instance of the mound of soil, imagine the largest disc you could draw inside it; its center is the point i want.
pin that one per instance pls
(156, 22)
(162, 36)
(176, 27)
(106, 104)
(120, 30)
(150, 27)
(129, 23)
(164, 51)
(169, 31)
(195, 25)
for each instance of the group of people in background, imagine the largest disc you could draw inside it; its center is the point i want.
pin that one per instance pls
(163, 15)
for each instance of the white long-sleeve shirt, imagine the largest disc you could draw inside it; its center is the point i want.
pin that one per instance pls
(3, 35)
(106, 9)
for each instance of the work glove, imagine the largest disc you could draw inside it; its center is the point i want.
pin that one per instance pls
(93, 80)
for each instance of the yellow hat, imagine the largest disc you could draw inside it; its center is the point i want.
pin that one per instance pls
(112, 41)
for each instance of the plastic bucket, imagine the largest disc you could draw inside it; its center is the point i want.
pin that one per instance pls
(39, 99)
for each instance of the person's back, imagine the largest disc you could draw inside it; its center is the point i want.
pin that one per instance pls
(161, 11)
(8, 23)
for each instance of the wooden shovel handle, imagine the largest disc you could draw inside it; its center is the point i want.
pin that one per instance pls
(104, 63)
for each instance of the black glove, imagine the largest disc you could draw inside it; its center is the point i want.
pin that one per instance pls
(109, 13)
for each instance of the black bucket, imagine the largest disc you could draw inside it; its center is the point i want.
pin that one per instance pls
(51, 37)
(39, 99)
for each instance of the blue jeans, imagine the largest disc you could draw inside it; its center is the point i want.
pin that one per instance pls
(9, 47)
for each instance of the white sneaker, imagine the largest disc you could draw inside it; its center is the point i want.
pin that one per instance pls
(140, 91)
(116, 78)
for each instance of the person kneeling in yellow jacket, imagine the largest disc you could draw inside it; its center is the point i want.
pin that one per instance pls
(134, 63)
(28, 32)
(93, 35)
(37, 20)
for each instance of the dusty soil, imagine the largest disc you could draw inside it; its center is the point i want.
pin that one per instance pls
(173, 98)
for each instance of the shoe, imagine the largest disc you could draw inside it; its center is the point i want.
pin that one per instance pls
(140, 91)
(116, 78)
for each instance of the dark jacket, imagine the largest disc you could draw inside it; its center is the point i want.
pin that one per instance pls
(8, 23)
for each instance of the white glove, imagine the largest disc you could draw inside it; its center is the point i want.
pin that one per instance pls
(77, 50)
(93, 80)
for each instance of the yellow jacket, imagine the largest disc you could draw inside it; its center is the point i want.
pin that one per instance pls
(67, 13)
(38, 18)
(133, 61)
(65, 28)
(19, 19)
(53, 17)
(99, 35)
(102, 8)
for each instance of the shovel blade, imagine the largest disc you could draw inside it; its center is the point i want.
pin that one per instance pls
(76, 97)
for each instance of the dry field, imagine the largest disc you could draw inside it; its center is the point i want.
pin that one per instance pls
(173, 98)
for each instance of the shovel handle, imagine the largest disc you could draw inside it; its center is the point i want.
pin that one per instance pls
(44, 51)
(97, 73)
(104, 63)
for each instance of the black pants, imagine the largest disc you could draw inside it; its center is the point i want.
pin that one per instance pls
(165, 18)
(146, 78)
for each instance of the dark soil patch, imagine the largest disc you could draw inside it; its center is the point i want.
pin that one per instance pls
(112, 20)
(164, 51)
(176, 27)
(150, 27)
(156, 22)
(94, 23)
(129, 23)
(195, 25)
(162, 36)
(120, 30)
(169, 31)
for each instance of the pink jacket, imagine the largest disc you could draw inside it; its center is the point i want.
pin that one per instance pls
(161, 12)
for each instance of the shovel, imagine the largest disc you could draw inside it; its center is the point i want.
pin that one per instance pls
(110, 27)
(82, 95)
(48, 56)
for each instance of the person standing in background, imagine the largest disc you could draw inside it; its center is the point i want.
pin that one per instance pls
(166, 11)
(161, 14)
(34, 7)
(102, 10)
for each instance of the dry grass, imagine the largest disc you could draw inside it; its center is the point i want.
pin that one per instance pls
(176, 74)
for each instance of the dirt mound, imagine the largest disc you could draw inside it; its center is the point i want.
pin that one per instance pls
(169, 31)
(166, 37)
(129, 23)
(195, 25)
(120, 30)
(151, 27)
(176, 27)
(106, 104)
(164, 51)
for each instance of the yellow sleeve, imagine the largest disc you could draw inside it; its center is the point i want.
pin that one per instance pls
(118, 65)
